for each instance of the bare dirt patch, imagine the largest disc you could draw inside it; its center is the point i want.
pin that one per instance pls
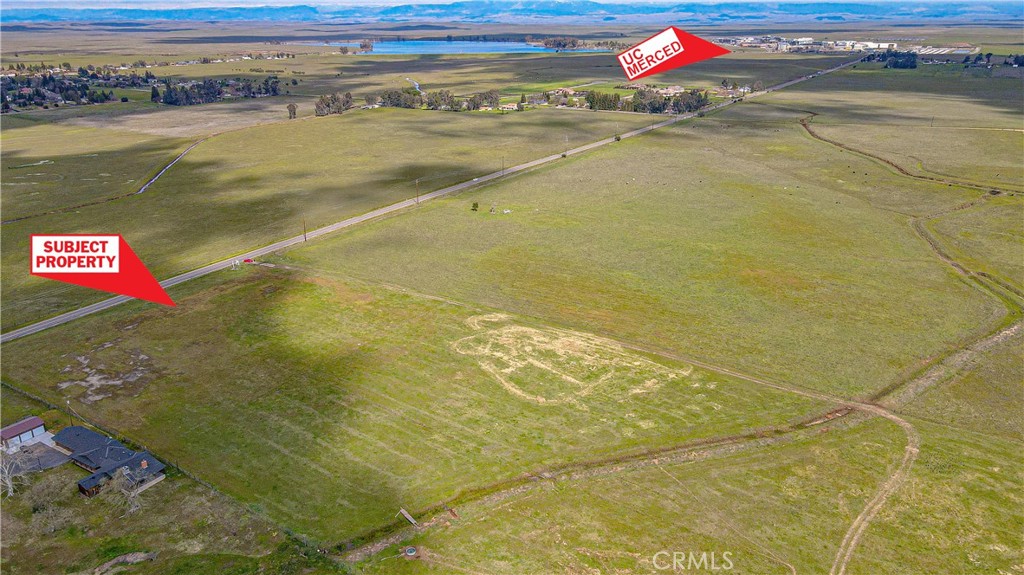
(555, 366)
(108, 370)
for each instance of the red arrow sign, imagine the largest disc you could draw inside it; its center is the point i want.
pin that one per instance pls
(668, 49)
(101, 262)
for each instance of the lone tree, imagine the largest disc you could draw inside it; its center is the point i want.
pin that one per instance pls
(292, 108)
(154, 95)
(10, 477)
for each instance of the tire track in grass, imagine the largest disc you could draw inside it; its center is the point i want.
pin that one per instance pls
(806, 123)
(933, 374)
(111, 199)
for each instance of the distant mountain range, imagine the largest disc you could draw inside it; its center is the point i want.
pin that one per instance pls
(566, 11)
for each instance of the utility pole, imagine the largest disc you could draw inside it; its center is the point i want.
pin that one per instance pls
(417, 191)
(303, 229)
(503, 165)
(71, 413)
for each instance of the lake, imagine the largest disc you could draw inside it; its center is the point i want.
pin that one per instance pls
(386, 47)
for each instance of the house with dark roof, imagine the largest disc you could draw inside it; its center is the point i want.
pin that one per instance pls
(21, 432)
(104, 456)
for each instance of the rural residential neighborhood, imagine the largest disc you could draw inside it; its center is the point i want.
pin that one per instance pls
(505, 288)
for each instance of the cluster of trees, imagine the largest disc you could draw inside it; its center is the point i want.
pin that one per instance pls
(443, 100)
(603, 101)
(489, 98)
(249, 88)
(563, 43)
(651, 102)
(333, 104)
(408, 98)
(689, 101)
(895, 59)
(46, 89)
(35, 68)
(212, 90)
(189, 95)
(1013, 60)
(439, 100)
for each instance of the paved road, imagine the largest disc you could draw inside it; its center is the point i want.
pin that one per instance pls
(223, 264)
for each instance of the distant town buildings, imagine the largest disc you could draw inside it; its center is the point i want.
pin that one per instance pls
(773, 43)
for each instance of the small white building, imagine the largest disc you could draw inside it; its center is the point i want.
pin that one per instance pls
(24, 432)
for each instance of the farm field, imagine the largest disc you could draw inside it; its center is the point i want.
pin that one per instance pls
(263, 184)
(772, 508)
(959, 511)
(938, 121)
(808, 265)
(985, 397)
(917, 152)
(788, 329)
(361, 399)
(987, 237)
(51, 167)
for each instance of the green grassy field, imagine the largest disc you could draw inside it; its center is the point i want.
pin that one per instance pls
(262, 184)
(986, 398)
(939, 96)
(330, 404)
(960, 511)
(534, 363)
(987, 237)
(636, 242)
(49, 167)
(988, 157)
(768, 507)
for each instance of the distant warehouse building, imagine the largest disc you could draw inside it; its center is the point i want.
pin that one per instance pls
(104, 457)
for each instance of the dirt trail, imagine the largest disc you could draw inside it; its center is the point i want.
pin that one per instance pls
(902, 393)
(697, 450)
(806, 123)
(860, 524)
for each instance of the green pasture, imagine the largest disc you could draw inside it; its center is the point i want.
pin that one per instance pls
(330, 404)
(986, 397)
(243, 189)
(55, 166)
(987, 157)
(767, 506)
(928, 96)
(743, 244)
(987, 237)
(960, 510)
